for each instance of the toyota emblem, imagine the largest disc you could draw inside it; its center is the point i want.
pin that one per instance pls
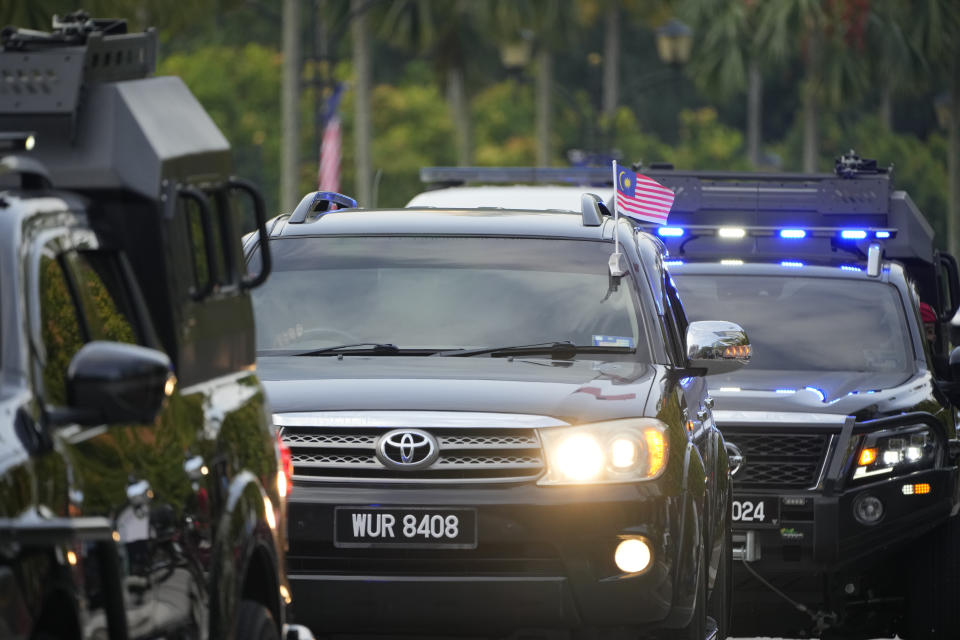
(407, 449)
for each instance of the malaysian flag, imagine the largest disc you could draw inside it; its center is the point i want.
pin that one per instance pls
(641, 198)
(328, 176)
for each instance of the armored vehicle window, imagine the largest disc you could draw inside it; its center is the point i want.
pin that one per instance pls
(60, 328)
(805, 323)
(444, 293)
(106, 303)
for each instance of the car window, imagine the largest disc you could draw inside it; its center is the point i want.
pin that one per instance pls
(443, 292)
(108, 311)
(61, 329)
(803, 323)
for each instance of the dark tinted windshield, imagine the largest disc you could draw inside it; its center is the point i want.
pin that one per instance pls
(800, 323)
(443, 293)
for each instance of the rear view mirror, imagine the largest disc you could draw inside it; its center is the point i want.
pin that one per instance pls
(111, 382)
(717, 346)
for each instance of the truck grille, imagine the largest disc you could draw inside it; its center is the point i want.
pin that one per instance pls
(465, 454)
(777, 460)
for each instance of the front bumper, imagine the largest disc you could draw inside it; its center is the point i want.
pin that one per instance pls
(544, 559)
(819, 533)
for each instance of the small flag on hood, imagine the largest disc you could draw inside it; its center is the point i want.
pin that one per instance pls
(641, 198)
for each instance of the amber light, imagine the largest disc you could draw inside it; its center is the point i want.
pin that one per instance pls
(657, 448)
(919, 489)
(867, 457)
(737, 351)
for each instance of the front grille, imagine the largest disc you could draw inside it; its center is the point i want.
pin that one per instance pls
(471, 454)
(779, 460)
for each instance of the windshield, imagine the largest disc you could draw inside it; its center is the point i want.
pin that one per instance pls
(443, 293)
(800, 323)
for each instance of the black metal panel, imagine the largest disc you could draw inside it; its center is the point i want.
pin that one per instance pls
(779, 460)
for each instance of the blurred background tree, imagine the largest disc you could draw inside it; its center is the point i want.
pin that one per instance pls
(779, 85)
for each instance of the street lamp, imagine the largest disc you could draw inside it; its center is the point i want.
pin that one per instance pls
(674, 42)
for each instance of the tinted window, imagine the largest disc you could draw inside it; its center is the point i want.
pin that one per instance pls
(419, 292)
(804, 323)
(60, 328)
(106, 305)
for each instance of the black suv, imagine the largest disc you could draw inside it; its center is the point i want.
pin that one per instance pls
(142, 493)
(842, 432)
(495, 426)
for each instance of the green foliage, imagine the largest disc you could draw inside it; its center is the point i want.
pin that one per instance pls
(240, 89)
(920, 166)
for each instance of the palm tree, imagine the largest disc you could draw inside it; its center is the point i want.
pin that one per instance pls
(832, 70)
(727, 59)
(447, 31)
(935, 32)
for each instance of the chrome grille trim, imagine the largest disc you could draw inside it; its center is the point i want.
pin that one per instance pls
(473, 447)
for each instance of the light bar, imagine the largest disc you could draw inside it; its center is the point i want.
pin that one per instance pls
(851, 267)
(793, 234)
(670, 232)
(785, 391)
(732, 262)
(883, 234)
(853, 234)
(731, 233)
(672, 262)
(791, 263)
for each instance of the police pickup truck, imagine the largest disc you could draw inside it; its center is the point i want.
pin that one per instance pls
(142, 492)
(495, 430)
(843, 432)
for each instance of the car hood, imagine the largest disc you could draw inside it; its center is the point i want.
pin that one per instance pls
(577, 390)
(865, 395)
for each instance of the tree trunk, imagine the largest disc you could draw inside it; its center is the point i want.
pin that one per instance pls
(754, 112)
(811, 99)
(290, 94)
(953, 166)
(886, 105)
(460, 109)
(544, 103)
(362, 119)
(611, 62)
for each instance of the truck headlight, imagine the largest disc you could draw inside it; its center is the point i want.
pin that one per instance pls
(603, 452)
(895, 451)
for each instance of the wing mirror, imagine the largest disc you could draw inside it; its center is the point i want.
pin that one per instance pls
(111, 382)
(717, 346)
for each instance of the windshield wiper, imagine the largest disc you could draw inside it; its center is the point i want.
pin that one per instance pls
(561, 350)
(374, 348)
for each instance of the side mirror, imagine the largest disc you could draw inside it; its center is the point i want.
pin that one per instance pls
(111, 382)
(717, 346)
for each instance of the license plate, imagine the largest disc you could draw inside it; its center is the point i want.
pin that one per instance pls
(405, 527)
(758, 510)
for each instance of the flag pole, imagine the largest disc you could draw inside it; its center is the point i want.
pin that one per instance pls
(616, 236)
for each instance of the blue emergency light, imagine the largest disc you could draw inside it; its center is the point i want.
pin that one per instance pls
(795, 264)
(793, 234)
(853, 234)
(670, 232)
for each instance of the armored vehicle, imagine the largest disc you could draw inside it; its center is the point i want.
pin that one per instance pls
(843, 433)
(492, 430)
(143, 490)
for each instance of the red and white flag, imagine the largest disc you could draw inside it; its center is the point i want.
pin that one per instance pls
(328, 177)
(641, 198)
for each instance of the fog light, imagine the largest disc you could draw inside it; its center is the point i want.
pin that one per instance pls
(868, 509)
(632, 555)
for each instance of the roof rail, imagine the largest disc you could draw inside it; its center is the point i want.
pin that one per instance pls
(311, 204)
(451, 176)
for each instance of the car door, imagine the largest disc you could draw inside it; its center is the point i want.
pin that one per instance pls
(133, 474)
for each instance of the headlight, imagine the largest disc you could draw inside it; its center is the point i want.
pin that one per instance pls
(895, 451)
(614, 451)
